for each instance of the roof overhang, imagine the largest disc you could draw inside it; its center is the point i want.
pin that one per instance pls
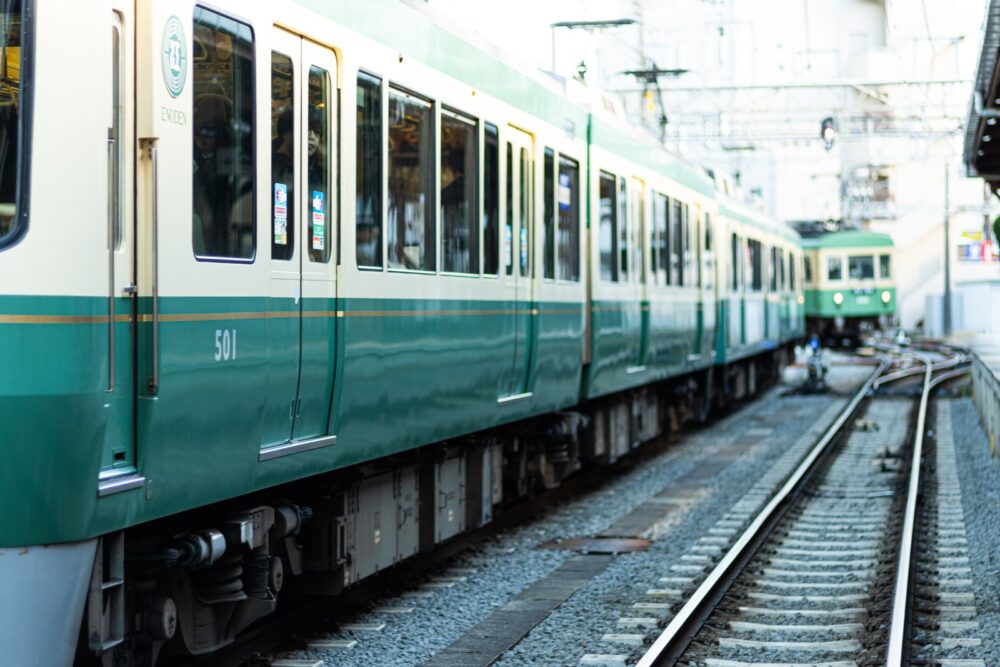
(982, 130)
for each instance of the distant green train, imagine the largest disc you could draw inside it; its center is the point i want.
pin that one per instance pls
(850, 286)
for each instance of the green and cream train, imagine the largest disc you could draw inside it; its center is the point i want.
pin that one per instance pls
(299, 289)
(850, 289)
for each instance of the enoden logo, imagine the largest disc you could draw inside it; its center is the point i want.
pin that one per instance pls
(174, 56)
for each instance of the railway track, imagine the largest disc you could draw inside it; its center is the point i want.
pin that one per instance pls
(822, 574)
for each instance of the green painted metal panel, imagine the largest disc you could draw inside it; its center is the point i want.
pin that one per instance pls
(416, 372)
(820, 303)
(848, 239)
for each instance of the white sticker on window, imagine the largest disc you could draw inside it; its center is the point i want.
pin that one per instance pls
(318, 220)
(280, 214)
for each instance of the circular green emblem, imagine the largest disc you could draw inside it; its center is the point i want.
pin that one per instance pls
(174, 56)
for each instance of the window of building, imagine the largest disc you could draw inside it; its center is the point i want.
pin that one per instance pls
(368, 202)
(835, 268)
(459, 182)
(861, 267)
(282, 156)
(608, 232)
(223, 132)
(13, 220)
(411, 182)
(569, 220)
(318, 170)
(491, 200)
(549, 213)
(885, 266)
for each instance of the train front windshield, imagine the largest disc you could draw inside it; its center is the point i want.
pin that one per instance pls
(10, 107)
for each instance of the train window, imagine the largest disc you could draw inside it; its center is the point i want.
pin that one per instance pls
(885, 266)
(638, 228)
(368, 193)
(808, 266)
(609, 228)
(318, 171)
(460, 229)
(411, 182)
(549, 213)
(791, 271)
(688, 278)
(756, 254)
(698, 253)
(661, 250)
(569, 220)
(773, 270)
(527, 219)
(12, 39)
(223, 135)
(491, 200)
(709, 259)
(508, 229)
(623, 231)
(835, 268)
(861, 267)
(734, 264)
(782, 274)
(677, 227)
(282, 156)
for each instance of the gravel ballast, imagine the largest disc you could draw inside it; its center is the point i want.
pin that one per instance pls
(485, 578)
(979, 476)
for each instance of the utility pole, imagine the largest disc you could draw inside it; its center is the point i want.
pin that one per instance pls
(946, 305)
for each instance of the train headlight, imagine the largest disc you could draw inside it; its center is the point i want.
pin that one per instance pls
(838, 298)
(886, 296)
(801, 299)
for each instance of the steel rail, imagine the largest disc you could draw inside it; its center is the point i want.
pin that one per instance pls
(677, 635)
(898, 623)
(916, 370)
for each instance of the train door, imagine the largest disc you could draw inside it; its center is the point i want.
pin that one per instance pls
(118, 455)
(303, 289)
(519, 255)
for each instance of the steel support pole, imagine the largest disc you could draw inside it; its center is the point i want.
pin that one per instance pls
(946, 305)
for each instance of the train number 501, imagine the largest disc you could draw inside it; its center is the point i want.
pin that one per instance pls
(225, 344)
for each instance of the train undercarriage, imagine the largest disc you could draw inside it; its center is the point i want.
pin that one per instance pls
(191, 583)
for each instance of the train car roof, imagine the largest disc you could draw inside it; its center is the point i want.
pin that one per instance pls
(848, 239)
(743, 213)
(423, 34)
